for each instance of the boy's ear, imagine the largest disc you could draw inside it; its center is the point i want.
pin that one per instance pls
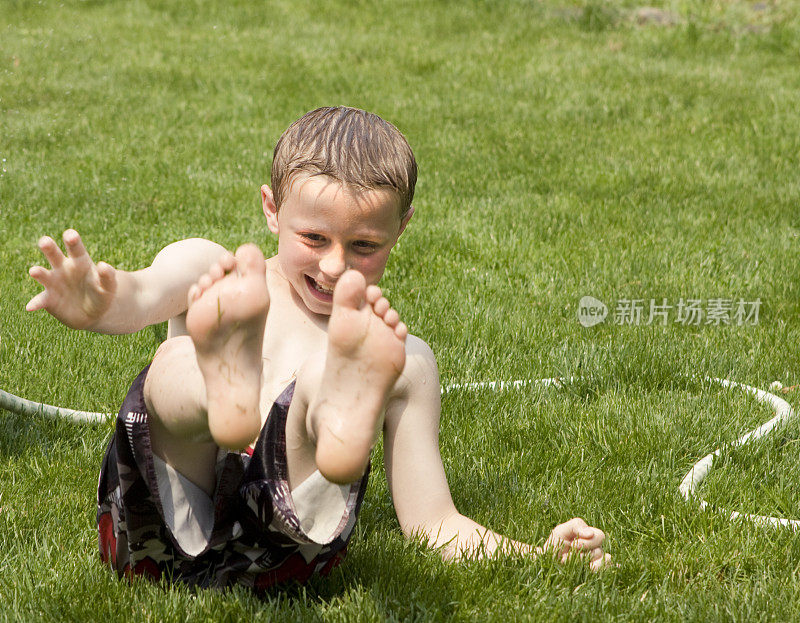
(404, 221)
(270, 209)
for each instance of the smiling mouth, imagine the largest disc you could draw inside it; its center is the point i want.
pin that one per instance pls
(323, 293)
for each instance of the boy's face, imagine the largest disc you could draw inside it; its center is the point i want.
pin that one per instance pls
(325, 227)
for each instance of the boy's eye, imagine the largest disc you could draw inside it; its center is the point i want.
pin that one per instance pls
(364, 246)
(312, 237)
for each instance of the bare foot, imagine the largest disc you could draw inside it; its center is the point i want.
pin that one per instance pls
(227, 312)
(366, 354)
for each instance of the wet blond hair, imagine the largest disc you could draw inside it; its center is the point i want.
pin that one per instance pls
(350, 145)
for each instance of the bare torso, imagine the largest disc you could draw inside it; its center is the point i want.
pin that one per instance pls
(292, 335)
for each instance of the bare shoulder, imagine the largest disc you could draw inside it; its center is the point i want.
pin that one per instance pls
(162, 287)
(197, 252)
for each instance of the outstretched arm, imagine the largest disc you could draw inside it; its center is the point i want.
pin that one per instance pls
(419, 486)
(97, 297)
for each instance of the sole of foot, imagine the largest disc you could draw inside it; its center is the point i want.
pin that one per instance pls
(365, 357)
(227, 312)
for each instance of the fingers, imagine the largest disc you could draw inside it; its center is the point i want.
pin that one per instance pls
(76, 252)
(76, 291)
(50, 250)
(107, 276)
(579, 534)
(589, 539)
(74, 245)
(597, 558)
(564, 534)
(42, 275)
(37, 302)
(601, 563)
(576, 524)
(596, 554)
(577, 537)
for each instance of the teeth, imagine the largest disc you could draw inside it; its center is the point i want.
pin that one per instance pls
(323, 289)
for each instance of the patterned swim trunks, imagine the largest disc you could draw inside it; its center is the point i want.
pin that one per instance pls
(254, 531)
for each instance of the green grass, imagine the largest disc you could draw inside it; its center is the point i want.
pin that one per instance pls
(565, 149)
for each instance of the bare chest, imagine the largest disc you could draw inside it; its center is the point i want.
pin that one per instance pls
(290, 337)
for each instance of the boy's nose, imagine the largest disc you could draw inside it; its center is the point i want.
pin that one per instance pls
(333, 263)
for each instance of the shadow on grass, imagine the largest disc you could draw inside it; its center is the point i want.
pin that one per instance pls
(387, 578)
(381, 579)
(22, 434)
(19, 434)
(649, 376)
(591, 388)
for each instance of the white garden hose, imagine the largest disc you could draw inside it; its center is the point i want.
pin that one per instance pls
(696, 475)
(13, 403)
(688, 486)
(783, 413)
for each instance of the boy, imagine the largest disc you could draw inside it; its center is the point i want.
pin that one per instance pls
(241, 453)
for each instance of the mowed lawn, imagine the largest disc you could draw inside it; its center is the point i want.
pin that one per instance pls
(566, 149)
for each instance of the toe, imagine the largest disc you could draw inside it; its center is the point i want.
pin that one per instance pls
(250, 259)
(381, 306)
(401, 330)
(350, 290)
(216, 272)
(391, 318)
(227, 261)
(204, 282)
(373, 294)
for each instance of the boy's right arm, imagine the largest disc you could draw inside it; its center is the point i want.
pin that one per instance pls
(100, 298)
(419, 488)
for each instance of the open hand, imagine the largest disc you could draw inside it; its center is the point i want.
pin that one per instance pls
(576, 537)
(76, 290)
